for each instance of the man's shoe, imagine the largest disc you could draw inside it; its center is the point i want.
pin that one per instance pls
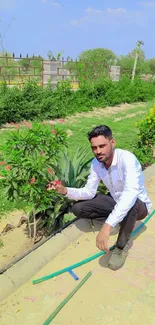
(117, 258)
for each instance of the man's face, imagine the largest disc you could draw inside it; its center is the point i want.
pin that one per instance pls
(102, 148)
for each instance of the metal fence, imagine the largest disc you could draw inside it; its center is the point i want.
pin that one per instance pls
(18, 70)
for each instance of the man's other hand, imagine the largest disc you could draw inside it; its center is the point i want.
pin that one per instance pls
(103, 237)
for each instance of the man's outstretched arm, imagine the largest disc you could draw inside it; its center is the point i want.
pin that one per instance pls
(84, 193)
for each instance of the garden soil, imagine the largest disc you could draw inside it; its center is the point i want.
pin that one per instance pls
(16, 241)
(108, 297)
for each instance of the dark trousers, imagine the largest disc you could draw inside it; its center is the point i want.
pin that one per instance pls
(102, 205)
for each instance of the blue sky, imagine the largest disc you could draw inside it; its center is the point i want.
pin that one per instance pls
(73, 26)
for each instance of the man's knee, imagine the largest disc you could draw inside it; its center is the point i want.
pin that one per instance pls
(76, 209)
(82, 209)
(140, 209)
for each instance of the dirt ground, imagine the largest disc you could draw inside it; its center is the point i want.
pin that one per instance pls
(121, 297)
(16, 241)
(109, 110)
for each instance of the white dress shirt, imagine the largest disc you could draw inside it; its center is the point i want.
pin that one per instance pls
(124, 180)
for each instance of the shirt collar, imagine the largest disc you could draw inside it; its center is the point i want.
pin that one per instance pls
(114, 162)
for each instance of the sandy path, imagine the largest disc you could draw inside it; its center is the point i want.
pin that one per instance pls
(122, 297)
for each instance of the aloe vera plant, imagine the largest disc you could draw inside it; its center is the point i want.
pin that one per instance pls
(73, 170)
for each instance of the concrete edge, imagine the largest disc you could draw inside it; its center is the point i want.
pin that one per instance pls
(149, 172)
(26, 268)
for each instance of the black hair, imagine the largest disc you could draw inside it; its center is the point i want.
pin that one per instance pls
(100, 130)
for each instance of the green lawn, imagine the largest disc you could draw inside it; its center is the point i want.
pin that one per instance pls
(124, 131)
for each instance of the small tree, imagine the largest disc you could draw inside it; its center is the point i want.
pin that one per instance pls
(26, 169)
(145, 146)
(92, 64)
(101, 55)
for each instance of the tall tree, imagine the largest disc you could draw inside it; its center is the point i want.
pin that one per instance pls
(92, 64)
(126, 63)
(141, 54)
(97, 55)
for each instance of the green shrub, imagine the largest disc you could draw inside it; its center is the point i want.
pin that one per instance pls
(34, 102)
(26, 163)
(17, 105)
(30, 160)
(11, 103)
(145, 146)
(56, 103)
(32, 92)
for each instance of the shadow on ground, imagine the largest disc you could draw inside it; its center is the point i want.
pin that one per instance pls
(86, 226)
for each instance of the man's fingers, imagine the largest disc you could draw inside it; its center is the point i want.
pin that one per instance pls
(52, 186)
(97, 244)
(102, 246)
(106, 248)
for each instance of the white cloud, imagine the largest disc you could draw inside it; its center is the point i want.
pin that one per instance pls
(91, 15)
(147, 4)
(54, 3)
(94, 11)
(113, 16)
(116, 11)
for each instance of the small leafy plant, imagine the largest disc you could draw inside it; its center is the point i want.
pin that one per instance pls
(73, 170)
(145, 146)
(26, 169)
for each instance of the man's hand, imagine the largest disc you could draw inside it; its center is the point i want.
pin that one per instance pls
(103, 237)
(56, 185)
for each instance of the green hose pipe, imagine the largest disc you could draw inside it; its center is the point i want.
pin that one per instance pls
(91, 258)
(64, 302)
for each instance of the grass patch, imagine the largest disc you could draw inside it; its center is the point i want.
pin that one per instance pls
(68, 217)
(124, 131)
(7, 206)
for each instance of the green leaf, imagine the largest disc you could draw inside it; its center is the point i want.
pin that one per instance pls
(15, 185)
(57, 208)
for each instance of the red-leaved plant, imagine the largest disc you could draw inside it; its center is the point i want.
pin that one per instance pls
(26, 169)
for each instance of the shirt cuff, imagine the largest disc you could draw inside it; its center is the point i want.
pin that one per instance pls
(111, 223)
(67, 194)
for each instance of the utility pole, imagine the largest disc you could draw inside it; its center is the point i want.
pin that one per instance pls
(139, 43)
